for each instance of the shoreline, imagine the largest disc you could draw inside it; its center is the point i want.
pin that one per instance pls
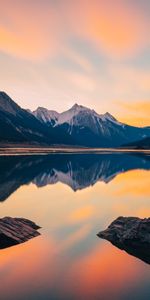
(61, 150)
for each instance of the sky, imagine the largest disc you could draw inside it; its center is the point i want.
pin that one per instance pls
(54, 53)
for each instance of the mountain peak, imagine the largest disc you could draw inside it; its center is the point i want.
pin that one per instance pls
(4, 96)
(2, 93)
(7, 104)
(40, 108)
(76, 106)
(109, 116)
(67, 116)
(45, 115)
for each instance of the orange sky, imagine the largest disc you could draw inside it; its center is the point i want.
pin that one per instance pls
(55, 53)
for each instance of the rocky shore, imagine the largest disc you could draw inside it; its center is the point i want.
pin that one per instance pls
(15, 231)
(130, 234)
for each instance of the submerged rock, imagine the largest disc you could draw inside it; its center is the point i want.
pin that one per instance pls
(130, 234)
(15, 231)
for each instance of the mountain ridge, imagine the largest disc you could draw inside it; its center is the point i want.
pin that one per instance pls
(78, 126)
(83, 123)
(71, 112)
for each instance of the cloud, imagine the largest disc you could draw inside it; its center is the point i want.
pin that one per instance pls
(40, 29)
(128, 77)
(117, 28)
(27, 30)
(78, 59)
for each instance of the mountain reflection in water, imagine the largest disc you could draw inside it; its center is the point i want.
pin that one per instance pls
(77, 171)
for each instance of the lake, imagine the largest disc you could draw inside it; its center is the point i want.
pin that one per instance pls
(72, 197)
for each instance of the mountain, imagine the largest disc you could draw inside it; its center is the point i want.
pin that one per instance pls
(46, 116)
(142, 144)
(78, 126)
(88, 128)
(77, 171)
(18, 125)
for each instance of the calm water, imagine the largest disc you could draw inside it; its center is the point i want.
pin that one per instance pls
(73, 197)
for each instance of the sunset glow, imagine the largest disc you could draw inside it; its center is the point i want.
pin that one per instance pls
(56, 53)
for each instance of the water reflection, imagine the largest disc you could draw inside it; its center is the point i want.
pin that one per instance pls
(77, 171)
(68, 261)
(51, 275)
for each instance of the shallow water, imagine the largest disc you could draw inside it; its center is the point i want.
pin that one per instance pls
(72, 197)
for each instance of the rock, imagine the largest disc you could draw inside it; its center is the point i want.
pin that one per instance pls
(130, 234)
(15, 231)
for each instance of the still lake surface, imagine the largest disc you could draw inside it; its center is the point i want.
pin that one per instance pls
(72, 197)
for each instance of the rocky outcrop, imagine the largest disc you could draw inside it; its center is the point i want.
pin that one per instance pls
(130, 234)
(15, 231)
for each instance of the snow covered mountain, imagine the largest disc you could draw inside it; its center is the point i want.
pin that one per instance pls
(78, 126)
(46, 116)
(72, 116)
(87, 127)
(79, 113)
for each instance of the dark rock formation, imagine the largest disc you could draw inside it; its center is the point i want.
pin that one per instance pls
(15, 231)
(130, 234)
